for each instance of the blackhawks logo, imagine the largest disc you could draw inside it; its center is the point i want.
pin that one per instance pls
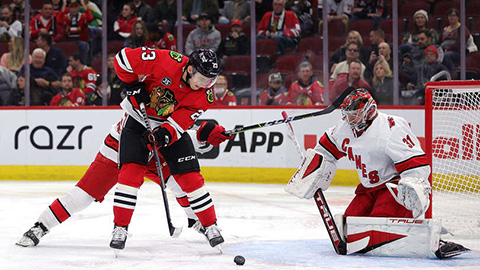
(209, 93)
(176, 56)
(163, 101)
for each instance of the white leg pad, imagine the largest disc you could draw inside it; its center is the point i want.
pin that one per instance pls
(403, 237)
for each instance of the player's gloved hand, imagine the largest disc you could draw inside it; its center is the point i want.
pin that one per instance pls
(212, 133)
(137, 92)
(159, 137)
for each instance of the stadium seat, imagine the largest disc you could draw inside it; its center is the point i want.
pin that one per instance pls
(472, 9)
(97, 65)
(267, 47)
(264, 63)
(114, 46)
(246, 29)
(441, 8)
(317, 64)
(313, 44)
(262, 81)
(362, 26)
(238, 64)
(335, 28)
(386, 26)
(288, 63)
(335, 42)
(224, 29)
(408, 9)
(472, 61)
(475, 25)
(289, 79)
(3, 48)
(68, 47)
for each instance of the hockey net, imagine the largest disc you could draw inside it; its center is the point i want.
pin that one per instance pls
(452, 139)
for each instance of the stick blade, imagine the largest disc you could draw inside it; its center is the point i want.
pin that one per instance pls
(175, 232)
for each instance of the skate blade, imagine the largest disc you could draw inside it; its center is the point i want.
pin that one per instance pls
(116, 253)
(219, 248)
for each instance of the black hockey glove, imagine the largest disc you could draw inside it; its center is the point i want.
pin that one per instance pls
(160, 137)
(136, 92)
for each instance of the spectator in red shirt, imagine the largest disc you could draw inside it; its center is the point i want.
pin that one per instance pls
(75, 25)
(159, 38)
(307, 90)
(352, 79)
(84, 77)
(46, 22)
(123, 26)
(223, 96)
(281, 25)
(276, 93)
(68, 95)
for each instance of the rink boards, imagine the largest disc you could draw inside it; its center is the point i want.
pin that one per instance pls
(59, 144)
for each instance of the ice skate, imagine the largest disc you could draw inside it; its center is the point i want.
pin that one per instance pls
(32, 236)
(119, 237)
(449, 249)
(213, 235)
(196, 225)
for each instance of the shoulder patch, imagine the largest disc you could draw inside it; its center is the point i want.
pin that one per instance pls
(170, 37)
(209, 93)
(230, 93)
(176, 56)
(391, 122)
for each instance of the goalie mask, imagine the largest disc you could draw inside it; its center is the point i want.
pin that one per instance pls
(359, 109)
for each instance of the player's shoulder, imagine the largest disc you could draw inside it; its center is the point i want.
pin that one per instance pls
(389, 124)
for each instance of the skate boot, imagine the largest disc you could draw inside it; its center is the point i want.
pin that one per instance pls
(119, 237)
(449, 249)
(196, 225)
(213, 235)
(32, 236)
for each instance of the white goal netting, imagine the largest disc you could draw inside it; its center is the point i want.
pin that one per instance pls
(455, 152)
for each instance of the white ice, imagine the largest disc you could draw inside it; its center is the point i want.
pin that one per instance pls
(269, 227)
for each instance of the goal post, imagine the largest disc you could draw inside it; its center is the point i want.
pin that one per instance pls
(452, 140)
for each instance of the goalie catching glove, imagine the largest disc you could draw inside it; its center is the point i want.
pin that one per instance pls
(212, 133)
(315, 172)
(413, 193)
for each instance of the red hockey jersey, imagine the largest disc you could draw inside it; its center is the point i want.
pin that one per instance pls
(314, 92)
(171, 99)
(74, 98)
(168, 42)
(54, 28)
(75, 28)
(85, 79)
(228, 99)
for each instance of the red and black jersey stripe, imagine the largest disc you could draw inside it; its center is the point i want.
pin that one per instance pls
(412, 163)
(328, 145)
(111, 142)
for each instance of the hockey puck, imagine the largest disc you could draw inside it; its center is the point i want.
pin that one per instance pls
(239, 260)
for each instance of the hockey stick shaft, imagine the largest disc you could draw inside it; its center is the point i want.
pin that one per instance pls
(335, 104)
(338, 244)
(174, 232)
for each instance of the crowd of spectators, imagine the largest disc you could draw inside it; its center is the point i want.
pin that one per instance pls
(65, 44)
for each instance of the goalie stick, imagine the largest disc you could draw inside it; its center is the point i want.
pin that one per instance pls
(174, 232)
(337, 102)
(338, 244)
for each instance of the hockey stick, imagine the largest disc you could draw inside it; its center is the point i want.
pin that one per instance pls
(337, 102)
(174, 231)
(338, 244)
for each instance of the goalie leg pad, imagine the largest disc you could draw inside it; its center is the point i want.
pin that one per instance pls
(315, 172)
(392, 236)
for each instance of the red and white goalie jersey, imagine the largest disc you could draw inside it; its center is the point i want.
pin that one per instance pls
(171, 99)
(387, 150)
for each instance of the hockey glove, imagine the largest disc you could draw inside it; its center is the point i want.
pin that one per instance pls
(212, 133)
(160, 137)
(137, 92)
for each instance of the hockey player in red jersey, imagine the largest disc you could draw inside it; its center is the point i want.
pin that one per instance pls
(176, 90)
(100, 177)
(391, 165)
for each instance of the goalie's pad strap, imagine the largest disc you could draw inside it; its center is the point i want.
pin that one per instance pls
(315, 172)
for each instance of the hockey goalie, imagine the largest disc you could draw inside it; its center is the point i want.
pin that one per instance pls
(387, 215)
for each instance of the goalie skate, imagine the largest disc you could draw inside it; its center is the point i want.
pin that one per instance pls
(119, 237)
(32, 236)
(196, 225)
(213, 235)
(449, 249)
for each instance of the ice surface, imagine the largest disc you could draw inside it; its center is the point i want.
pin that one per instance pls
(269, 227)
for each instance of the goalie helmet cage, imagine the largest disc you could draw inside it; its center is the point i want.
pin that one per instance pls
(452, 139)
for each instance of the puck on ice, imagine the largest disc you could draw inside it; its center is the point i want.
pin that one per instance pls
(239, 260)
